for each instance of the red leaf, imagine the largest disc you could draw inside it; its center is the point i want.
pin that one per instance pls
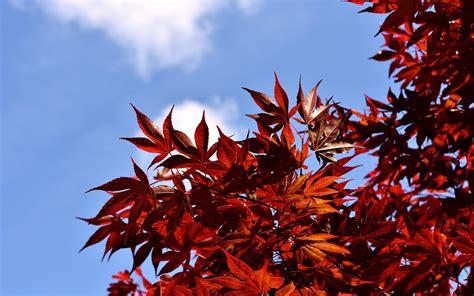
(239, 268)
(144, 144)
(201, 137)
(318, 183)
(118, 184)
(142, 254)
(176, 161)
(183, 143)
(286, 290)
(174, 263)
(148, 127)
(228, 282)
(263, 101)
(384, 55)
(201, 289)
(116, 203)
(157, 159)
(280, 96)
(137, 209)
(168, 125)
(140, 173)
(98, 236)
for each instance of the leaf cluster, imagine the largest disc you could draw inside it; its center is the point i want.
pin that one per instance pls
(251, 217)
(423, 184)
(241, 217)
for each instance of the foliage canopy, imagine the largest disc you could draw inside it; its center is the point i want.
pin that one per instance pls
(250, 217)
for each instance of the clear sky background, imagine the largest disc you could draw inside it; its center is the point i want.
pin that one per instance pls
(70, 69)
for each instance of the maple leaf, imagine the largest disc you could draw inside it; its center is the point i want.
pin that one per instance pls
(246, 281)
(314, 246)
(407, 230)
(323, 140)
(310, 108)
(134, 192)
(156, 141)
(277, 114)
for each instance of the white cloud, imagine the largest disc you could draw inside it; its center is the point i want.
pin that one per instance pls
(187, 115)
(155, 33)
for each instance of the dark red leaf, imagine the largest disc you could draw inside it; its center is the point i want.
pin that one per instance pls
(98, 236)
(201, 137)
(280, 96)
(144, 144)
(118, 184)
(148, 127)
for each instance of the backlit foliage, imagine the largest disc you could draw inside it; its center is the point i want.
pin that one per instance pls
(234, 216)
(421, 192)
(270, 215)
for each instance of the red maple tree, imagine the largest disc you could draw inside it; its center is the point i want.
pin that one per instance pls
(250, 217)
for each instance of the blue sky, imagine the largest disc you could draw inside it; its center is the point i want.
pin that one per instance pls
(68, 74)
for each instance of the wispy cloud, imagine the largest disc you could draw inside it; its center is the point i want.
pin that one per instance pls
(249, 7)
(187, 115)
(156, 34)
